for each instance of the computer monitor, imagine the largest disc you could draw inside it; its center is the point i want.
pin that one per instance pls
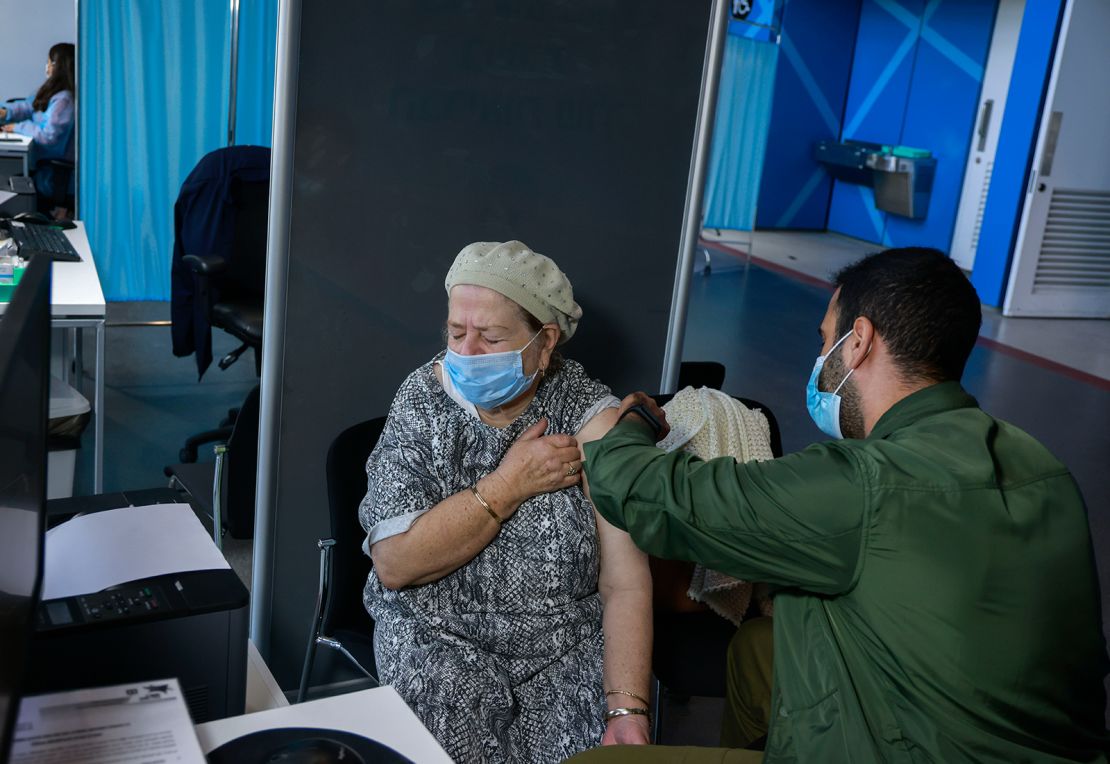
(24, 402)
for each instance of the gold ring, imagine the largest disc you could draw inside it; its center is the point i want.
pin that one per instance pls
(572, 470)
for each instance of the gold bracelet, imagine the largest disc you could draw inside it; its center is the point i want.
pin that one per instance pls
(485, 505)
(619, 712)
(629, 694)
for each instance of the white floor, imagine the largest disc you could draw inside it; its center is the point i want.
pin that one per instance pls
(1080, 344)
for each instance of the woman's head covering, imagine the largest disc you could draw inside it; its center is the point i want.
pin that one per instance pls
(529, 279)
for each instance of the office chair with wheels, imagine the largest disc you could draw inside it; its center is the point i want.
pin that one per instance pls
(339, 621)
(219, 264)
(225, 489)
(690, 642)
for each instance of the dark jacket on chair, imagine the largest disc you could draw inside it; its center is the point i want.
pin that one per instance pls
(204, 224)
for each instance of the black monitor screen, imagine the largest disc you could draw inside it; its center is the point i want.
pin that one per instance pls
(24, 401)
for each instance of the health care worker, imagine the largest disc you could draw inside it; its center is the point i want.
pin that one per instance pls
(937, 595)
(47, 118)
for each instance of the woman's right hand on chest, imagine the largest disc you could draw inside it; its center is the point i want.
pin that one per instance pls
(539, 463)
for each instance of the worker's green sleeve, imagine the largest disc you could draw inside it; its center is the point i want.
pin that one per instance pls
(794, 521)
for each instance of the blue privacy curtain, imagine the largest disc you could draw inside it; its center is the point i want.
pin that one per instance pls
(154, 99)
(254, 98)
(739, 133)
(154, 92)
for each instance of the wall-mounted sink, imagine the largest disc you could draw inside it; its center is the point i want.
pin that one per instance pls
(901, 176)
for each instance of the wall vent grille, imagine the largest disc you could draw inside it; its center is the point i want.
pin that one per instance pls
(982, 206)
(1075, 250)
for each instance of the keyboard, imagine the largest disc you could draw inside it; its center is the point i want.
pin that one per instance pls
(42, 239)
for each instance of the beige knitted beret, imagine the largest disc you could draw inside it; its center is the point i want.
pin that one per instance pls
(529, 279)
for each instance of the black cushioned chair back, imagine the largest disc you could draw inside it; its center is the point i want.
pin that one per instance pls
(701, 374)
(346, 472)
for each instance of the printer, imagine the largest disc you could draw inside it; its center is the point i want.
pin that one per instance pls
(190, 624)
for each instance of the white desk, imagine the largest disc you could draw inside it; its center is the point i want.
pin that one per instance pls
(17, 146)
(379, 714)
(77, 302)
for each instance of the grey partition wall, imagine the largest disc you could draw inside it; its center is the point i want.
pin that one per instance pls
(413, 129)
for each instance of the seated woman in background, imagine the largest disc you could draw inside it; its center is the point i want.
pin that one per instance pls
(509, 615)
(48, 120)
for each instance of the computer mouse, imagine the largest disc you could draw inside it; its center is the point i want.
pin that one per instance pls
(36, 218)
(314, 750)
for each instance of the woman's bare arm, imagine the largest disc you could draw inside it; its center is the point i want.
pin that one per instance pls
(625, 587)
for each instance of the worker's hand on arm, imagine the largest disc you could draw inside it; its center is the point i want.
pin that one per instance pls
(9, 128)
(645, 400)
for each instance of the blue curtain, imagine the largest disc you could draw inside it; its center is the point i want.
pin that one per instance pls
(740, 133)
(154, 100)
(254, 97)
(154, 93)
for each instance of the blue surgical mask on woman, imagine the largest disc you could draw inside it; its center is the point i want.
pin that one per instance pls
(824, 408)
(489, 380)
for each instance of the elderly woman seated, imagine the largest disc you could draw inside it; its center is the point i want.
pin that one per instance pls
(512, 618)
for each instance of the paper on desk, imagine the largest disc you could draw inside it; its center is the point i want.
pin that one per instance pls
(7, 195)
(92, 552)
(141, 722)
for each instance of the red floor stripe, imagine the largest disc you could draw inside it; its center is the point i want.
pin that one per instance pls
(768, 265)
(1046, 363)
(1039, 361)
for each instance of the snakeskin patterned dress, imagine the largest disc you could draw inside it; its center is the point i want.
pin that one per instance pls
(501, 659)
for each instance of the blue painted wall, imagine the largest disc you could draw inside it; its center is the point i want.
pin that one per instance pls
(915, 81)
(1024, 103)
(811, 86)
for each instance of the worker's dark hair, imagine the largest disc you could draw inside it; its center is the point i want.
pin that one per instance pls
(63, 56)
(920, 303)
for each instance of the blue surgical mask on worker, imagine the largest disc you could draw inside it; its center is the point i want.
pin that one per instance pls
(489, 380)
(824, 408)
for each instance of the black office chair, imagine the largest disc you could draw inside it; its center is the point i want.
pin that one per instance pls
(63, 171)
(230, 291)
(690, 642)
(232, 288)
(339, 621)
(225, 489)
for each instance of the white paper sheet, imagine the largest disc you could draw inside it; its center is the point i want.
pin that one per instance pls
(6, 195)
(124, 724)
(92, 552)
(378, 714)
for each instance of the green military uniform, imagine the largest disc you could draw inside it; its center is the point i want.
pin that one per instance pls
(939, 600)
